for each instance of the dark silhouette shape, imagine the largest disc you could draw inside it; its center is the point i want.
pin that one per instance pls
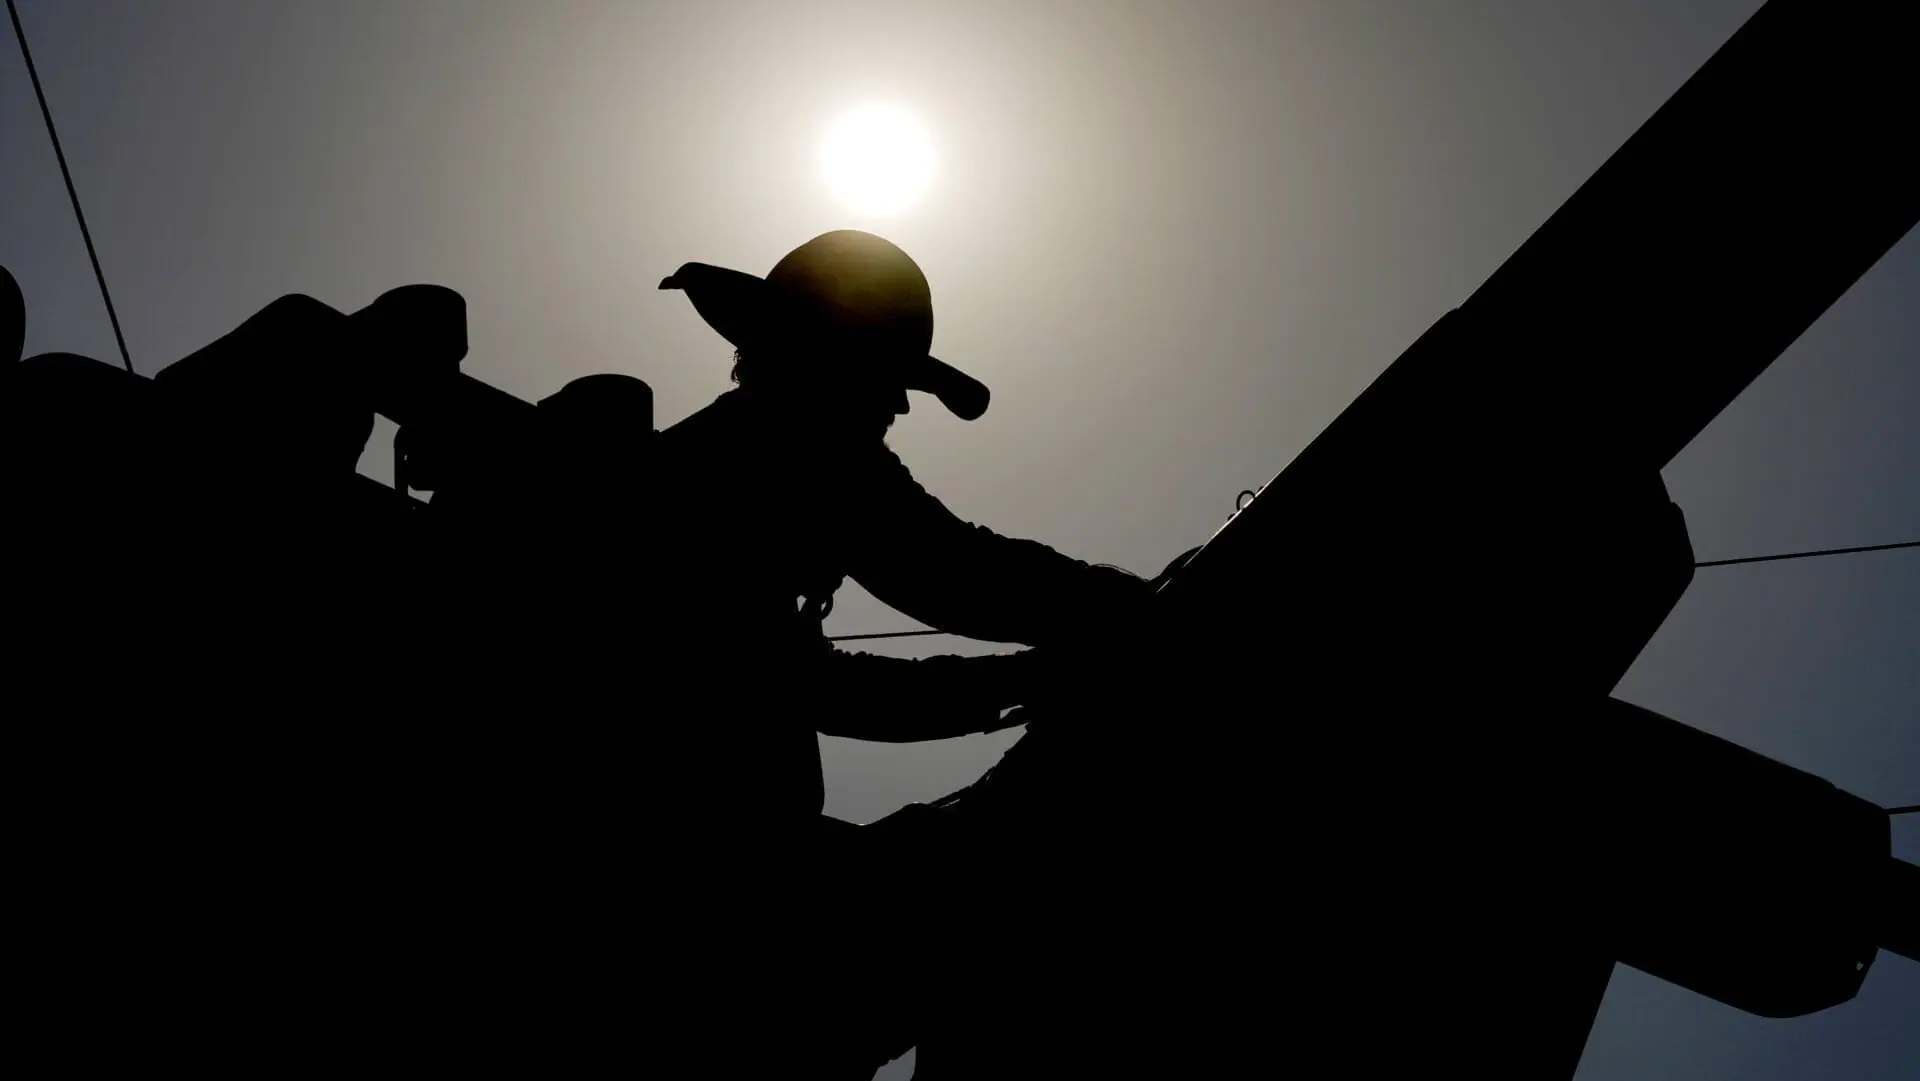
(845, 292)
(560, 804)
(1404, 826)
(773, 495)
(13, 319)
(611, 644)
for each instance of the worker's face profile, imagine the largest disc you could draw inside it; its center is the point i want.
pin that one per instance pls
(850, 392)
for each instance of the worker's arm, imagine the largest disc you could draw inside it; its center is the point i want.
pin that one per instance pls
(895, 700)
(915, 555)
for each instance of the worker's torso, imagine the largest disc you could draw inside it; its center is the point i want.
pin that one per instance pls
(747, 531)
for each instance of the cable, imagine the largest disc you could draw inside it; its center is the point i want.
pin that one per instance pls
(883, 634)
(1913, 809)
(33, 73)
(46, 113)
(1809, 555)
(1708, 563)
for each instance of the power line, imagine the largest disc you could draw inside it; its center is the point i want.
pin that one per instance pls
(33, 73)
(883, 634)
(1912, 809)
(1809, 555)
(66, 174)
(1708, 563)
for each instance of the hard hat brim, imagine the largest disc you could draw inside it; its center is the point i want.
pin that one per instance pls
(740, 306)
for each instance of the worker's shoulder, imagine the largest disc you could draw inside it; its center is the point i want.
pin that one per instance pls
(722, 418)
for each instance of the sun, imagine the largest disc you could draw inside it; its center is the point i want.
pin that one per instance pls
(878, 159)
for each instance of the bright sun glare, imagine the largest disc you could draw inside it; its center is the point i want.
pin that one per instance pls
(878, 159)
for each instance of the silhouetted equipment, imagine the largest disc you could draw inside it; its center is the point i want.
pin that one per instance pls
(1399, 820)
(1428, 610)
(1899, 900)
(1732, 875)
(13, 318)
(262, 817)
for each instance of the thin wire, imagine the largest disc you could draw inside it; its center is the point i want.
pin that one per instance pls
(33, 73)
(1914, 809)
(885, 634)
(1709, 563)
(106, 296)
(1809, 555)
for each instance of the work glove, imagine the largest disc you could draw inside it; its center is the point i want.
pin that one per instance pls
(1101, 662)
(1173, 568)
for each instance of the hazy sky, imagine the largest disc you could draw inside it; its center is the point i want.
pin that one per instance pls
(1176, 239)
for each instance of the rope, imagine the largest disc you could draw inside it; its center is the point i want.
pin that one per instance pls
(33, 73)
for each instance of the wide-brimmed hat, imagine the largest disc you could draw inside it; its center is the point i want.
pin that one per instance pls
(842, 291)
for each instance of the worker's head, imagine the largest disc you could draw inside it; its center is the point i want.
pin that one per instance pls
(839, 329)
(830, 390)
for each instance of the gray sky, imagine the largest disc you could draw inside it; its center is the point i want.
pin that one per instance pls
(1176, 239)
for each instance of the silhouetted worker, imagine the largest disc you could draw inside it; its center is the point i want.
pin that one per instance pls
(767, 500)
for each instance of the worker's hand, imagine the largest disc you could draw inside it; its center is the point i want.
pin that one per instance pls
(1013, 679)
(1173, 568)
(1057, 676)
(1012, 718)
